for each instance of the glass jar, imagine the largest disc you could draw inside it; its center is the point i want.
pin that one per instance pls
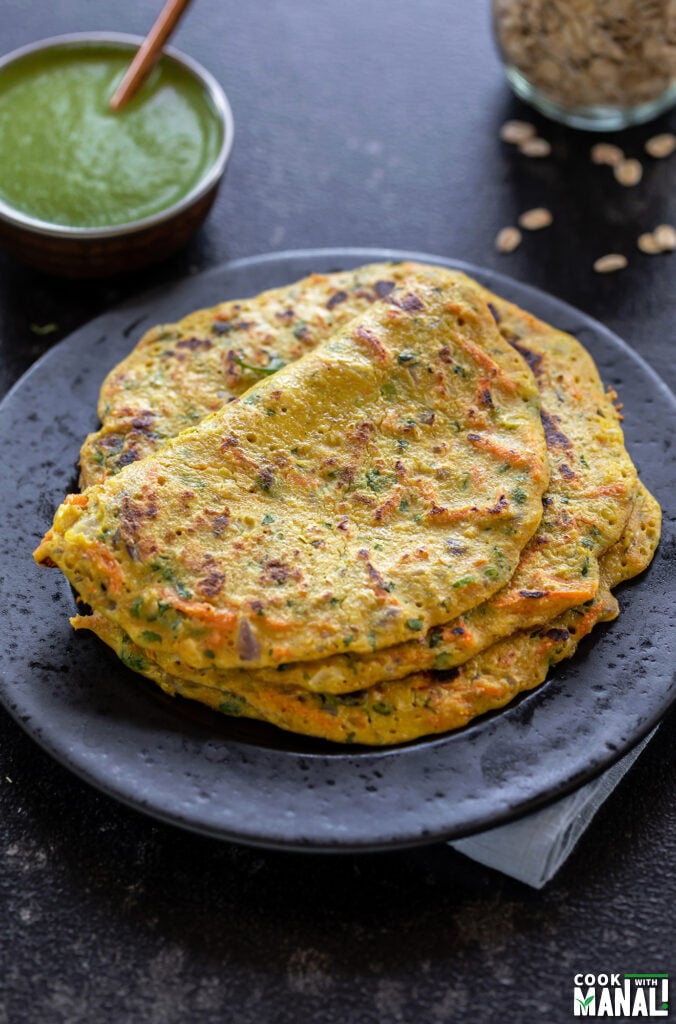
(595, 64)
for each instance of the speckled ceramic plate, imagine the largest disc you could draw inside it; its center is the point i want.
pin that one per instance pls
(249, 782)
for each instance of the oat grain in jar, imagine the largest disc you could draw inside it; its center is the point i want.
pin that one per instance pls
(596, 64)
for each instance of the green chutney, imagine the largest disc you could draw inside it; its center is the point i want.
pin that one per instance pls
(67, 159)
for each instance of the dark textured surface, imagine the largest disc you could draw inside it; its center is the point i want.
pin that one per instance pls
(356, 124)
(244, 780)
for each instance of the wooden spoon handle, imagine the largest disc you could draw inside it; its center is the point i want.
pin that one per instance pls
(148, 53)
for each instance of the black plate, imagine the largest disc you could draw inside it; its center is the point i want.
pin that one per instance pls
(249, 782)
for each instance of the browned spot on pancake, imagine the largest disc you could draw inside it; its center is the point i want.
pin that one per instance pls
(112, 441)
(499, 378)
(363, 432)
(500, 504)
(566, 472)
(383, 288)
(494, 312)
(144, 420)
(373, 342)
(374, 575)
(266, 478)
(410, 303)
(554, 437)
(534, 593)
(386, 508)
(276, 571)
(336, 299)
(194, 343)
(534, 359)
(131, 455)
(231, 325)
(501, 452)
(134, 514)
(441, 514)
(220, 525)
(485, 398)
(211, 584)
(214, 520)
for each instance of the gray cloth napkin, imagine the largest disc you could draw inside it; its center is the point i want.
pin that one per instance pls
(534, 848)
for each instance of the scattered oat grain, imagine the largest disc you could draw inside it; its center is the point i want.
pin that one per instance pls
(535, 147)
(507, 239)
(628, 172)
(648, 243)
(516, 132)
(533, 220)
(606, 153)
(608, 264)
(665, 236)
(661, 146)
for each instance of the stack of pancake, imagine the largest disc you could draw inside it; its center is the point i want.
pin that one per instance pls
(367, 507)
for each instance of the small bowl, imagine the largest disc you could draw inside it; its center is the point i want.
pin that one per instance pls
(99, 252)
